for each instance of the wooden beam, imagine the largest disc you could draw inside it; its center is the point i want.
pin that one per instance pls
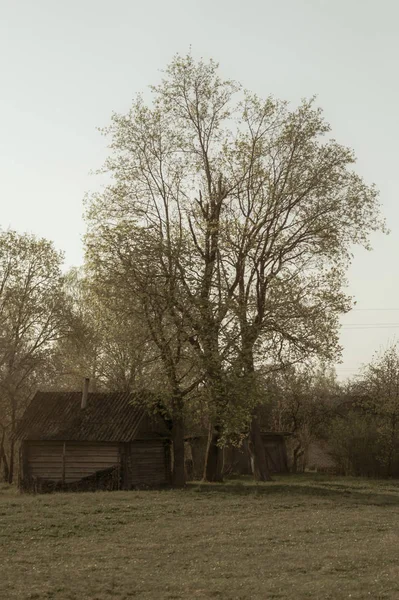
(63, 463)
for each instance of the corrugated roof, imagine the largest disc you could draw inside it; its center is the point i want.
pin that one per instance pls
(115, 417)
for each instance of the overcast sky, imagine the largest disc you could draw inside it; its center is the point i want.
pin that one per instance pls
(65, 66)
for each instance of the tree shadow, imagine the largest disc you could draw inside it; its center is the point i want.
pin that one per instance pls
(315, 489)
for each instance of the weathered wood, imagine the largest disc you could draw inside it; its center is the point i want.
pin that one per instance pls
(148, 463)
(63, 462)
(70, 464)
(83, 460)
(44, 460)
(24, 462)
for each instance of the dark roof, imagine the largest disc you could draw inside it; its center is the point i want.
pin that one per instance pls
(116, 417)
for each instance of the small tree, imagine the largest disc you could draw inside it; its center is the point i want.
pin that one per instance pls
(301, 402)
(109, 347)
(354, 443)
(378, 395)
(33, 316)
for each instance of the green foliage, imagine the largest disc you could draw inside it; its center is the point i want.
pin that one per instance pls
(354, 445)
(33, 313)
(365, 440)
(230, 218)
(104, 344)
(33, 316)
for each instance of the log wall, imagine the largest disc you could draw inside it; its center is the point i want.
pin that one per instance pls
(69, 461)
(63, 464)
(148, 463)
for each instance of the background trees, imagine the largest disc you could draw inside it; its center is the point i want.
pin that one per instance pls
(106, 345)
(215, 259)
(364, 436)
(303, 401)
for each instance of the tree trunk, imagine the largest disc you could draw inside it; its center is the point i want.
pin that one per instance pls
(256, 447)
(178, 473)
(3, 458)
(1, 447)
(11, 461)
(12, 443)
(213, 470)
(213, 467)
(298, 452)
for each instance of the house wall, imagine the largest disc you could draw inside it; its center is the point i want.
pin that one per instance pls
(146, 462)
(99, 465)
(67, 462)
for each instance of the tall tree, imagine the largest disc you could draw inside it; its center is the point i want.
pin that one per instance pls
(242, 202)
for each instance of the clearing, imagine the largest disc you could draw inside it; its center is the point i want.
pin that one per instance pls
(298, 537)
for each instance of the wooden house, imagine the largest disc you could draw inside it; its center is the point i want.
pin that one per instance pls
(91, 441)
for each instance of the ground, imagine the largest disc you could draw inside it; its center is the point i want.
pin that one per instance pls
(298, 537)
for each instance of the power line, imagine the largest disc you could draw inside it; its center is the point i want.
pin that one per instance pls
(352, 327)
(374, 309)
(363, 324)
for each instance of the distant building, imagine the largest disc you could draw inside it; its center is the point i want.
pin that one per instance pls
(318, 458)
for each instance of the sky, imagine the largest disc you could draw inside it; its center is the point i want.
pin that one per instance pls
(66, 66)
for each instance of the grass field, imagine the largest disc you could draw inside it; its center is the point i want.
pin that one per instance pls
(298, 537)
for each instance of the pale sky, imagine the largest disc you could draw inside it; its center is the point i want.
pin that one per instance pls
(65, 66)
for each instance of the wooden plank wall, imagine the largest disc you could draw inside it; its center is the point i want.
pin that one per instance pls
(148, 463)
(46, 460)
(85, 459)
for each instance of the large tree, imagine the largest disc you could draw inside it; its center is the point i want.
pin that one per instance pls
(249, 215)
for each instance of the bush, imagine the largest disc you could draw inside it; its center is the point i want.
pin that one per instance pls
(359, 446)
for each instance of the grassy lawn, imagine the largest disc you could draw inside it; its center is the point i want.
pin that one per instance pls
(298, 537)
